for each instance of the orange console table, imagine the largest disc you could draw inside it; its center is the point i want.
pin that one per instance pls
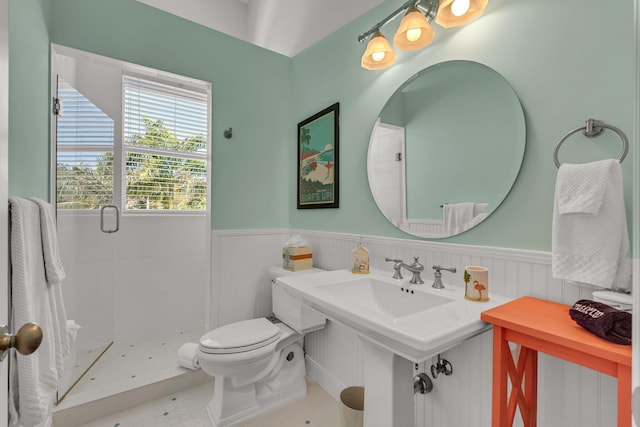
(545, 326)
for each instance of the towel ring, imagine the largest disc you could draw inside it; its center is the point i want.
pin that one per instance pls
(590, 129)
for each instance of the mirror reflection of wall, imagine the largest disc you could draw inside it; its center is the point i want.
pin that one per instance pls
(463, 134)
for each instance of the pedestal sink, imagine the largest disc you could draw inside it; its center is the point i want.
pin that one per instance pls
(399, 325)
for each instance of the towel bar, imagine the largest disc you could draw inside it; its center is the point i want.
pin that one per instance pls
(593, 128)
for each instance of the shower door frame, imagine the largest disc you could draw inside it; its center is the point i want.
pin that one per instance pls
(104, 241)
(134, 221)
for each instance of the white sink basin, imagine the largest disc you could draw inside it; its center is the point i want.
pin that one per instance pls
(415, 322)
(382, 297)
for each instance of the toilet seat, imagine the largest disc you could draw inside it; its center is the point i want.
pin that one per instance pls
(240, 337)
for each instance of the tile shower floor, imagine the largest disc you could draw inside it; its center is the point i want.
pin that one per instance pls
(129, 365)
(187, 409)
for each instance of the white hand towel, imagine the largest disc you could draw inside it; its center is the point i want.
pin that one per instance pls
(72, 331)
(477, 219)
(478, 209)
(34, 378)
(188, 356)
(589, 234)
(55, 274)
(52, 261)
(456, 215)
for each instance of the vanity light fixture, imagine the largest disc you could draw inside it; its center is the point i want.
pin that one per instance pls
(415, 31)
(379, 53)
(454, 13)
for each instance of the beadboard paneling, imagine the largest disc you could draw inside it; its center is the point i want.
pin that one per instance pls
(568, 395)
(241, 287)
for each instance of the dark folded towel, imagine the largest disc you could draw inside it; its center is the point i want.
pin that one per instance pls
(602, 320)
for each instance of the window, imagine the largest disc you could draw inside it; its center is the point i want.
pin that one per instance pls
(159, 163)
(85, 152)
(165, 146)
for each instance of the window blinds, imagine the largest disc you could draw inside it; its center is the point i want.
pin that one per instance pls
(165, 146)
(85, 139)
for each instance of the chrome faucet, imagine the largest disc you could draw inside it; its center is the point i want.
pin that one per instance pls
(416, 268)
(437, 283)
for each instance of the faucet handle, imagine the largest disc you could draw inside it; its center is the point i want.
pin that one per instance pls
(437, 283)
(437, 268)
(396, 267)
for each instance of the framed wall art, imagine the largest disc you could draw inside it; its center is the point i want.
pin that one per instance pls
(318, 138)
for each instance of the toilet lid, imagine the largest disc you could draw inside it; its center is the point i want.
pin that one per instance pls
(240, 336)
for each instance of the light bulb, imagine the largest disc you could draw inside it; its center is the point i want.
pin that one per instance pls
(460, 7)
(377, 56)
(414, 34)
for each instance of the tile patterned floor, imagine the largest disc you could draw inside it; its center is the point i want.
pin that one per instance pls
(187, 409)
(129, 365)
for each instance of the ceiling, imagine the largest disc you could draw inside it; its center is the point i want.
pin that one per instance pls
(284, 26)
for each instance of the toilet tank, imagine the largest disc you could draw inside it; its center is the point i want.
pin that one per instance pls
(290, 311)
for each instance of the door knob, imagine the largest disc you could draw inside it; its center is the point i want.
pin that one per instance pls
(26, 341)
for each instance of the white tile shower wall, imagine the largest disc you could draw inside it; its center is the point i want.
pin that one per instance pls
(568, 395)
(87, 256)
(161, 275)
(150, 277)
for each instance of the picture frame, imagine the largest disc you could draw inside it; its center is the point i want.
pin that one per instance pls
(318, 165)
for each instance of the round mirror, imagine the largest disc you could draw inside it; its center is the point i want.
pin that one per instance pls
(446, 149)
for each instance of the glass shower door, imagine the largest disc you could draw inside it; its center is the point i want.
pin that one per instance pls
(86, 222)
(138, 142)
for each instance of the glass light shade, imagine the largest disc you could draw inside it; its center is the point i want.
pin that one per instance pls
(414, 31)
(446, 18)
(379, 54)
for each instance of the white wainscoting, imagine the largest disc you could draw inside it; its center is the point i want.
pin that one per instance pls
(425, 228)
(241, 286)
(568, 395)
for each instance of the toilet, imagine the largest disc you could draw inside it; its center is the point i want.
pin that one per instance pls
(257, 364)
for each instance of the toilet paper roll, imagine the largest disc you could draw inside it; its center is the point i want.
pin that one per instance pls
(188, 356)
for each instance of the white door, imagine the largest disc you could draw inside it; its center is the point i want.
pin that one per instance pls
(4, 178)
(386, 171)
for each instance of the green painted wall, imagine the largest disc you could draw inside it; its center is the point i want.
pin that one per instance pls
(562, 68)
(29, 101)
(251, 93)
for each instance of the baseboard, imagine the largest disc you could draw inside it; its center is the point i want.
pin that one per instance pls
(324, 378)
(89, 411)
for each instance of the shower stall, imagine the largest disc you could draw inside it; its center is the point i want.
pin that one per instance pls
(137, 295)
(131, 163)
